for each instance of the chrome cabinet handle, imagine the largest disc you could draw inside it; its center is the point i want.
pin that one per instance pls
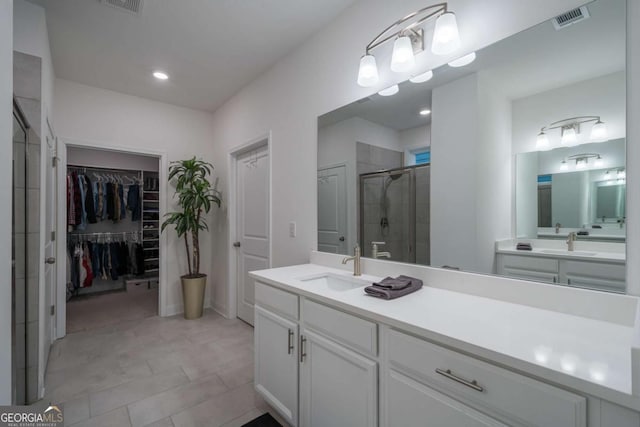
(303, 340)
(569, 282)
(471, 384)
(290, 342)
(555, 279)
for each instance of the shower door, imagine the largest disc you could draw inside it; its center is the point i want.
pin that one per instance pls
(19, 306)
(387, 213)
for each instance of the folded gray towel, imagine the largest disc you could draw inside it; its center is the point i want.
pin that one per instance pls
(386, 293)
(391, 283)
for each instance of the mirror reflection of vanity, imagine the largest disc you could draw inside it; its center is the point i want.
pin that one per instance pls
(452, 172)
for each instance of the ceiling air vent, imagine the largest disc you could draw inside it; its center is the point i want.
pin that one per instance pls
(569, 18)
(131, 6)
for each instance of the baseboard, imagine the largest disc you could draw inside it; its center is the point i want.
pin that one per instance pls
(175, 309)
(222, 311)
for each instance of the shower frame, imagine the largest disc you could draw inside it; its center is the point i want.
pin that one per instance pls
(410, 170)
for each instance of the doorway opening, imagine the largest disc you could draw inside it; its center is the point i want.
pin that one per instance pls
(112, 243)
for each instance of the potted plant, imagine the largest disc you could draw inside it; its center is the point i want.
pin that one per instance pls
(195, 198)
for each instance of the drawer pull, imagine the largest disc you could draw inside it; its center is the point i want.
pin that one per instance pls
(471, 384)
(303, 340)
(290, 342)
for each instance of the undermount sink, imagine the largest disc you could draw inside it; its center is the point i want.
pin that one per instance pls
(565, 252)
(335, 282)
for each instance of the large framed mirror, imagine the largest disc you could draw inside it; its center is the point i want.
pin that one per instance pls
(513, 164)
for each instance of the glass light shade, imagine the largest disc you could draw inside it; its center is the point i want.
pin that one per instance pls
(446, 38)
(160, 75)
(421, 78)
(391, 90)
(581, 164)
(599, 162)
(542, 141)
(368, 71)
(425, 112)
(599, 131)
(569, 136)
(622, 174)
(402, 58)
(462, 61)
(564, 166)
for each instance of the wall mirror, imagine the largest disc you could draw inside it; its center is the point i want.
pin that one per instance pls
(457, 170)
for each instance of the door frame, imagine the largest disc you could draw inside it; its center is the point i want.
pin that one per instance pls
(61, 292)
(232, 162)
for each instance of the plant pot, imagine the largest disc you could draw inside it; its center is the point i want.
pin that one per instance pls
(193, 295)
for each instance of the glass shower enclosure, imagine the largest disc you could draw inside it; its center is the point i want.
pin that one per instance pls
(394, 209)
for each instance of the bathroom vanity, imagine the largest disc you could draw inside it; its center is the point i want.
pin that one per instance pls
(591, 265)
(460, 351)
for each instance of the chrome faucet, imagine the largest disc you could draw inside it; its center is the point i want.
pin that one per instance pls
(356, 260)
(377, 254)
(558, 225)
(570, 240)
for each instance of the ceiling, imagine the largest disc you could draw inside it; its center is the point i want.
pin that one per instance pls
(527, 63)
(209, 48)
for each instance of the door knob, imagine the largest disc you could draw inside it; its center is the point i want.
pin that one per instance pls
(50, 260)
(236, 244)
(341, 238)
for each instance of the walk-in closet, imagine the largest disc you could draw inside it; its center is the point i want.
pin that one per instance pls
(113, 230)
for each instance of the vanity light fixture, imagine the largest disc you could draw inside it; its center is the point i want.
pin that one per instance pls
(621, 174)
(425, 112)
(598, 162)
(421, 78)
(464, 60)
(564, 166)
(160, 75)
(570, 129)
(391, 90)
(408, 40)
(542, 141)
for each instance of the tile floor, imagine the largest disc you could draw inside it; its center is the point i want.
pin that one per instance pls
(123, 370)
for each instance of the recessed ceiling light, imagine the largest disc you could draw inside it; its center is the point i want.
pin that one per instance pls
(425, 112)
(160, 75)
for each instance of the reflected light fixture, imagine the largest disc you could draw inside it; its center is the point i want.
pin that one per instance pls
(421, 78)
(564, 166)
(582, 161)
(570, 129)
(391, 90)
(425, 112)
(160, 75)
(599, 162)
(464, 60)
(408, 36)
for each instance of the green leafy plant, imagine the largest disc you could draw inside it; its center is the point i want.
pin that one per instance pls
(195, 197)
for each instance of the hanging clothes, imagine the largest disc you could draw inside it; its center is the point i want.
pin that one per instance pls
(133, 202)
(89, 204)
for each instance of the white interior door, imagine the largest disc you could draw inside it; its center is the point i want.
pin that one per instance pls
(332, 210)
(50, 252)
(252, 225)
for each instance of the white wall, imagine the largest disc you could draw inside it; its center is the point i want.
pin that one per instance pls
(6, 147)
(633, 148)
(30, 36)
(110, 159)
(106, 118)
(603, 96)
(320, 76)
(454, 152)
(411, 140)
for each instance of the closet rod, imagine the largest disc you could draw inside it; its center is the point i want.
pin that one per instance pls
(96, 168)
(105, 233)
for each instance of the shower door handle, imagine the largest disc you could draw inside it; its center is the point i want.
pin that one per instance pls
(341, 238)
(236, 244)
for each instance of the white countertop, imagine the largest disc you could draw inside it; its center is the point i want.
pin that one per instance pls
(589, 355)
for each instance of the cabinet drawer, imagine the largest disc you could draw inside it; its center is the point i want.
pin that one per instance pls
(546, 265)
(277, 300)
(357, 333)
(594, 275)
(498, 391)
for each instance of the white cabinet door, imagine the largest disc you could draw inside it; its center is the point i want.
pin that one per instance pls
(528, 268)
(337, 386)
(411, 404)
(276, 362)
(594, 275)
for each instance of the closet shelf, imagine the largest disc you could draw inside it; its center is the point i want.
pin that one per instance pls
(151, 259)
(150, 249)
(151, 270)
